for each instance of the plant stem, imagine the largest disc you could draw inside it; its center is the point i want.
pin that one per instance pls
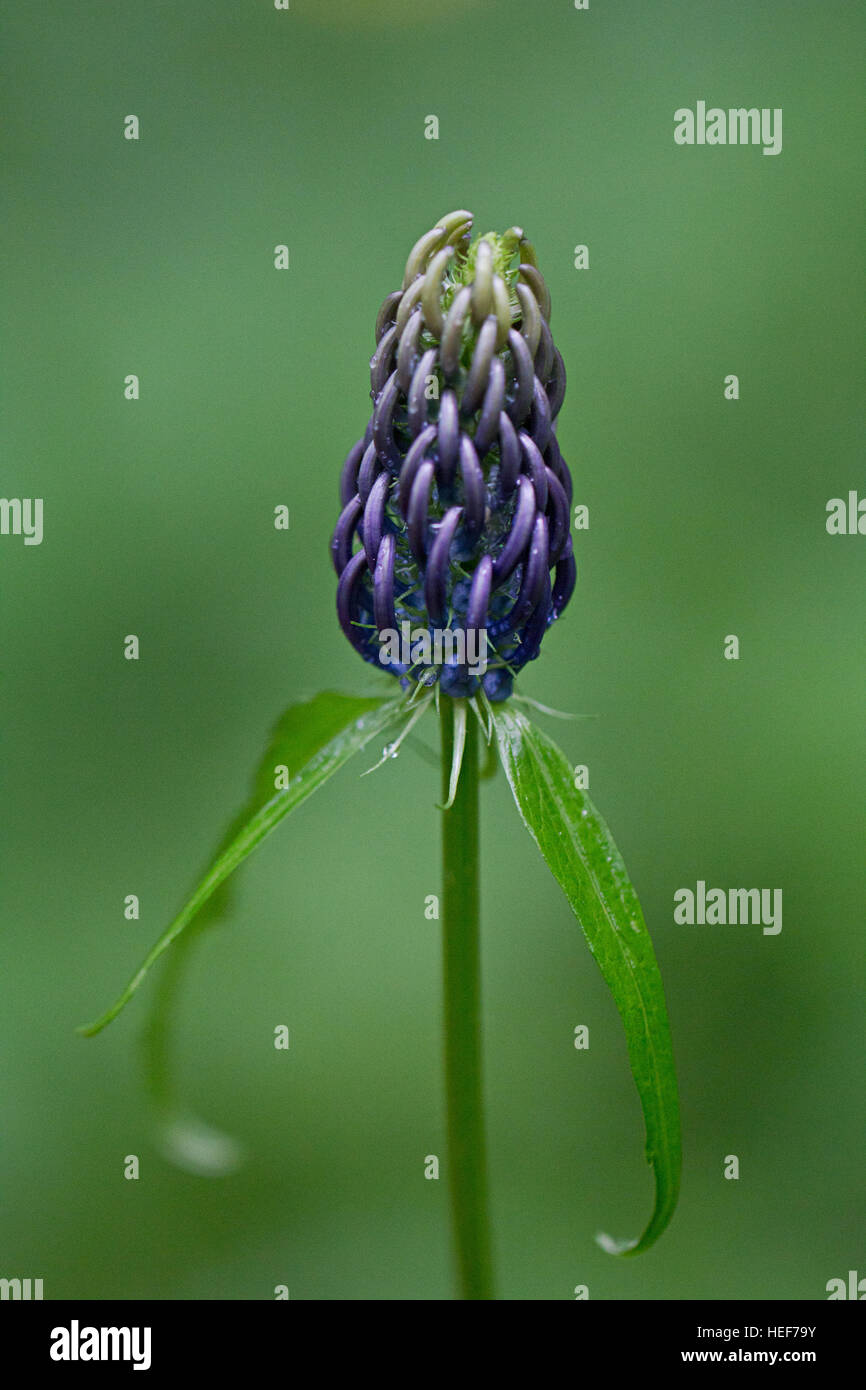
(467, 1163)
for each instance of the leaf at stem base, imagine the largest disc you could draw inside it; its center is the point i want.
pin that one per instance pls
(583, 858)
(315, 738)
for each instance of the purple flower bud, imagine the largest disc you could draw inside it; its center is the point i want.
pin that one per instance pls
(456, 501)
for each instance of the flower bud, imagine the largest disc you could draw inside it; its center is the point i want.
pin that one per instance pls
(453, 550)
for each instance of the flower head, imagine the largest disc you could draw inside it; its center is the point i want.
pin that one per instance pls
(457, 495)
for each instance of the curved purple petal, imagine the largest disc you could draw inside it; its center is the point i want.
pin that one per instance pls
(349, 472)
(435, 581)
(383, 585)
(494, 399)
(448, 429)
(416, 410)
(416, 516)
(518, 537)
(479, 372)
(414, 458)
(346, 589)
(534, 466)
(383, 423)
(374, 517)
(519, 406)
(344, 534)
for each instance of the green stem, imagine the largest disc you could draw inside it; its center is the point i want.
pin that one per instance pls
(467, 1165)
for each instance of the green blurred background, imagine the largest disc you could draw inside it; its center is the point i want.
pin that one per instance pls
(707, 518)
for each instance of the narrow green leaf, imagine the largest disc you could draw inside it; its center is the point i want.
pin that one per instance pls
(314, 740)
(584, 860)
(299, 734)
(457, 747)
(185, 1140)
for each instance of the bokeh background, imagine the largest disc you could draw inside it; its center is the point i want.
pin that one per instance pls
(707, 518)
